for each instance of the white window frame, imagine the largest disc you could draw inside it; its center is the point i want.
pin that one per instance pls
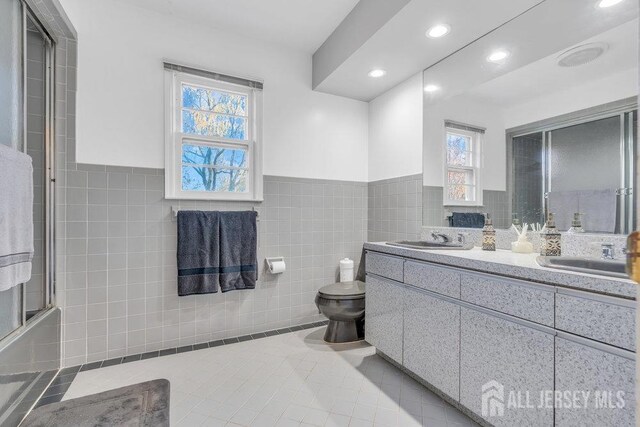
(476, 166)
(174, 138)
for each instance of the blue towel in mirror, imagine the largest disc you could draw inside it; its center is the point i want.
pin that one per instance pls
(467, 220)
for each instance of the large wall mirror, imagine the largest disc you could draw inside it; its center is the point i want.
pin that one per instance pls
(518, 126)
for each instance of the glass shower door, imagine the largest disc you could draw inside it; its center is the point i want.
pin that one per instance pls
(38, 50)
(11, 128)
(528, 178)
(587, 174)
(26, 113)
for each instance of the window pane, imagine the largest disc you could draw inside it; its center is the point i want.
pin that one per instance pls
(214, 156)
(198, 98)
(460, 177)
(458, 150)
(460, 192)
(214, 180)
(209, 124)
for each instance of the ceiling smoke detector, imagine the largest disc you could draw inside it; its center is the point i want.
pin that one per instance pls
(581, 55)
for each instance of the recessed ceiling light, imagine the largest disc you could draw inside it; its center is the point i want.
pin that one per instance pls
(431, 88)
(608, 3)
(498, 55)
(377, 73)
(438, 31)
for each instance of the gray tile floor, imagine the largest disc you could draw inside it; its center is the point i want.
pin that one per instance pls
(294, 379)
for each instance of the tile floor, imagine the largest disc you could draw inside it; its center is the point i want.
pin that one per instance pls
(295, 379)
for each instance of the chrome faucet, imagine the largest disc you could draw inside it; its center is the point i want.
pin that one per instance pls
(441, 237)
(608, 251)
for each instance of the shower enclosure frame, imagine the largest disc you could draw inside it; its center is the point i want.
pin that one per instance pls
(49, 255)
(49, 166)
(624, 109)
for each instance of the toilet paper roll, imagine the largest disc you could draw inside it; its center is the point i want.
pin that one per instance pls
(277, 267)
(346, 270)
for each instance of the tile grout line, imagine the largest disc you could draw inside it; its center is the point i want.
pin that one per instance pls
(75, 370)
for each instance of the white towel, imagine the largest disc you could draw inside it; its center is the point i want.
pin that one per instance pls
(600, 210)
(16, 217)
(563, 204)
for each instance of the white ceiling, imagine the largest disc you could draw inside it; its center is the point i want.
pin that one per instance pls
(402, 49)
(551, 27)
(298, 24)
(545, 76)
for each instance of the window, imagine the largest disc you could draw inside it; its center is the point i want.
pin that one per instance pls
(213, 147)
(462, 158)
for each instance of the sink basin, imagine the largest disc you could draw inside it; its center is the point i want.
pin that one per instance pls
(422, 244)
(603, 267)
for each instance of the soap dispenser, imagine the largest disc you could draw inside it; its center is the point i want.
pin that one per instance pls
(515, 222)
(576, 224)
(488, 235)
(550, 244)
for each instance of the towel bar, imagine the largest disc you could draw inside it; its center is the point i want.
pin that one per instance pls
(176, 209)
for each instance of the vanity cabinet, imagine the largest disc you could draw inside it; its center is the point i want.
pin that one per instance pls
(463, 331)
(516, 355)
(384, 316)
(432, 340)
(603, 372)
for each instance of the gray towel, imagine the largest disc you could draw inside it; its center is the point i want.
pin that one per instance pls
(216, 250)
(16, 217)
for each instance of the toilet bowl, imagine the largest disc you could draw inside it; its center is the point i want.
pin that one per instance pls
(343, 304)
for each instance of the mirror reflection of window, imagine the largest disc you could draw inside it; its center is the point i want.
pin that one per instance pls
(462, 180)
(560, 117)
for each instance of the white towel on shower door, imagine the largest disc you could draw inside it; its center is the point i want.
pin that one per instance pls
(16, 217)
(563, 204)
(600, 210)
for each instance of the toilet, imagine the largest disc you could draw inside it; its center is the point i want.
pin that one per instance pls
(343, 304)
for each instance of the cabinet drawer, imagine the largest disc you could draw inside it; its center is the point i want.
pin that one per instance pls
(445, 281)
(518, 298)
(385, 266)
(606, 319)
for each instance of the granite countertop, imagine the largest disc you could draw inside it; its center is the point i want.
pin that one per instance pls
(511, 264)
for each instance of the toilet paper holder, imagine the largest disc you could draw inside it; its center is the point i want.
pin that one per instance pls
(271, 261)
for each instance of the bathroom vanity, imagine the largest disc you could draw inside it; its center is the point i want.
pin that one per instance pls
(457, 320)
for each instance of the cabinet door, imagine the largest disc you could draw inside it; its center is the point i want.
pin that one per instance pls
(601, 371)
(501, 360)
(383, 316)
(432, 340)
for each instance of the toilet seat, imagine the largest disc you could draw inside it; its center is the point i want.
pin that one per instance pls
(343, 291)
